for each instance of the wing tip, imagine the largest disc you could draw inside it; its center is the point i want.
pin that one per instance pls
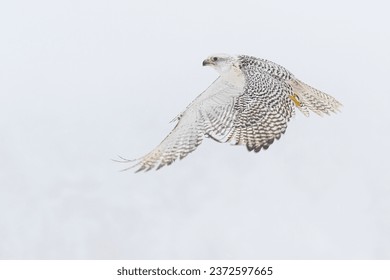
(125, 160)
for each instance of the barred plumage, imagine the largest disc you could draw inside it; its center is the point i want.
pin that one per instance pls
(249, 104)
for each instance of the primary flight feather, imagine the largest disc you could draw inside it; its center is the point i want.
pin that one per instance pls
(250, 104)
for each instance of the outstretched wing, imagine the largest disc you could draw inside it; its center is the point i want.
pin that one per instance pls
(212, 111)
(263, 111)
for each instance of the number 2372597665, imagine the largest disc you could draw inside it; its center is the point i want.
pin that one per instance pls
(238, 270)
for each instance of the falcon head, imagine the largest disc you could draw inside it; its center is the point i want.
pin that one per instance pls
(220, 62)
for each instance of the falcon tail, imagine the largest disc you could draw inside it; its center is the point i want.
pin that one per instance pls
(312, 99)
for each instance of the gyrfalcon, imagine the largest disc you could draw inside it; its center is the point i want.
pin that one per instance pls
(250, 104)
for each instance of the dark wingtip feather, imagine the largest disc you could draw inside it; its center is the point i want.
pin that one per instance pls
(250, 148)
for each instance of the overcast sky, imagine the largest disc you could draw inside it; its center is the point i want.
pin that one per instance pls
(84, 81)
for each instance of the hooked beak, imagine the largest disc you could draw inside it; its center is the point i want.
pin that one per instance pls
(206, 62)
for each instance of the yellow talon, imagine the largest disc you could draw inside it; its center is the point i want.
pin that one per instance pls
(294, 98)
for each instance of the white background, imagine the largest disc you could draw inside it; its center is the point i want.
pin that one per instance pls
(148, 269)
(84, 81)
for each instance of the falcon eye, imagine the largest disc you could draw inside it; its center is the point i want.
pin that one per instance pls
(215, 58)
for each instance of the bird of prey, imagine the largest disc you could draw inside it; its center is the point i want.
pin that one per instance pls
(250, 104)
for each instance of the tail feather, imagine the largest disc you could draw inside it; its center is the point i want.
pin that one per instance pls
(314, 99)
